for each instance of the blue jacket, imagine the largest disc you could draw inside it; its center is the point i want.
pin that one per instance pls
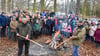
(48, 22)
(2, 20)
(43, 14)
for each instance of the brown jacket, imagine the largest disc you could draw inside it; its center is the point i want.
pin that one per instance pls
(13, 25)
(79, 36)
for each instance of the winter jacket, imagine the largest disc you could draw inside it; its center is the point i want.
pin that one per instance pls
(8, 21)
(43, 14)
(3, 20)
(52, 14)
(79, 36)
(13, 25)
(97, 35)
(92, 30)
(24, 30)
(49, 22)
(37, 27)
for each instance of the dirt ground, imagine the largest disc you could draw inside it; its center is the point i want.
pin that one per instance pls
(8, 48)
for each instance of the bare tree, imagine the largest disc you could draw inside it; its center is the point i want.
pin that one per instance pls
(34, 6)
(3, 6)
(42, 5)
(77, 7)
(29, 4)
(55, 5)
(9, 5)
(84, 8)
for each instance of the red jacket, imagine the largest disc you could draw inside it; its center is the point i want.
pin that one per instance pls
(97, 35)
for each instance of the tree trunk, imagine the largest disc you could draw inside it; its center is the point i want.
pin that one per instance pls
(67, 7)
(93, 8)
(78, 7)
(28, 4)
(55, 5)
(42, 5)
(3, 6)
(9, 5)
(34, 6)
(84, 9)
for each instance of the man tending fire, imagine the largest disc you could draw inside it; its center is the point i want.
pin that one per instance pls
(23, 29)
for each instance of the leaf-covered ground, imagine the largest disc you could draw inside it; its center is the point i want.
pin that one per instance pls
(8, 48)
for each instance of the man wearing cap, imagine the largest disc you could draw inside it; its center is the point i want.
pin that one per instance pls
(78, 37)
(13, 25)
(23, 29)
(3, 24)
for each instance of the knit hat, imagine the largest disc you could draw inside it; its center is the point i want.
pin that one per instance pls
(3, 13)
(14, 17)
(80, 21)
(24, 19)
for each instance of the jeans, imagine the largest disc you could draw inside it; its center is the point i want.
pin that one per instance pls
(48, 30)
(37, 33)
(97, 44)
(9, 32)
(3, 30)
(13, 36)
(21, 43)
(88, 37)
(92, 39)
(75, 50)
(72, 27)
(44, 30)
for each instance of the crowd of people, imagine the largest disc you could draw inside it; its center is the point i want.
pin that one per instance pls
(22, 23)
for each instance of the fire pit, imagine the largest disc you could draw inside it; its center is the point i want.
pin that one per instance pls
(36, 50)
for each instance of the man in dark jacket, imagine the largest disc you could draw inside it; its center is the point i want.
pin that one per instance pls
(3, 24)
(49, 25)
(9, 18)
(52, 14)
(23, 29)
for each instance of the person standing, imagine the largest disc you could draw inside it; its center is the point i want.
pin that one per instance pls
(78, 37)
(3, 24)
(23, 29)
(13, 25)
(86, 24)
(93, 28)
(37, 29)
(9, 19)
(52, 14)
(43, 14)
(97, 36)
(49, 25)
